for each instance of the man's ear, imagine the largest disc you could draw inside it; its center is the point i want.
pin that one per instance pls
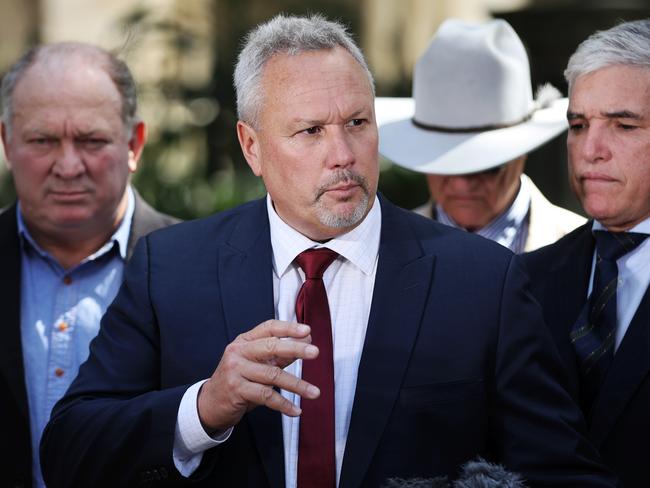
(250, 146)
(5, 144)
(136, 144)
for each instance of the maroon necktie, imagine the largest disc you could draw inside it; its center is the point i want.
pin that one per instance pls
(316, 458)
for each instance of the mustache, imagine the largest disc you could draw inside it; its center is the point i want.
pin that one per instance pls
(342, 176)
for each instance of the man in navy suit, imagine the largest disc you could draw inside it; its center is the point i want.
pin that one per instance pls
(439, 354)
(604, 337)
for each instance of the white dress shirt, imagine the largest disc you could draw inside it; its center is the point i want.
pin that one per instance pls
(633, 279)
(349, 282)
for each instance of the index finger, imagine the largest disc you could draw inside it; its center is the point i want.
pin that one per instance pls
(276, 328)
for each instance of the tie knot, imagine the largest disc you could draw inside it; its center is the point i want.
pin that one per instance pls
(613, 245)
(314, 262)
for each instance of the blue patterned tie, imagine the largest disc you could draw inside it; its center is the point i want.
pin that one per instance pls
(594, 333)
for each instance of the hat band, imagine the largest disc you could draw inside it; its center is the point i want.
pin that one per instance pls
(478, 128)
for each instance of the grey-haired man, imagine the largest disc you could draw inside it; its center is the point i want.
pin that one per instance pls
(593, 284)
(419, 347)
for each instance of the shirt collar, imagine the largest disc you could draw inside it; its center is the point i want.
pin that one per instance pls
(120, 237)
(642, 227)
(360, 246)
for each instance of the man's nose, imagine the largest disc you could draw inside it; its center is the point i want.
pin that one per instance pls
(595, 145)
(68, 162)
(340, 151)
(464, 183)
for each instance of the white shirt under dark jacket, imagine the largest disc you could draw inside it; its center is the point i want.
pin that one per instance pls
(349, 282)
(633, 279)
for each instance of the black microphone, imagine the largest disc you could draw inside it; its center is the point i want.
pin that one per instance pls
(474, 474)
(438, 482)
(482, 474)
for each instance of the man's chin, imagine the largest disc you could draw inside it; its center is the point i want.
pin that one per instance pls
(470, 222)
(72, 219)
(344, 214)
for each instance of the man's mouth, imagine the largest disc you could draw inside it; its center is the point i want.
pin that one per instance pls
(596, 178)
(69, 195)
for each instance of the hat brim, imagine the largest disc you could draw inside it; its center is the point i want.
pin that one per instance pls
(429, 151)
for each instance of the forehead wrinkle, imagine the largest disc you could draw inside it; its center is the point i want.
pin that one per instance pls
(69, 83)
(607, 115)
(321, 95)
(621, 114)
(335, 109)
(71, 123)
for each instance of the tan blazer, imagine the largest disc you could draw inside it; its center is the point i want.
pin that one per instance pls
(547, 222)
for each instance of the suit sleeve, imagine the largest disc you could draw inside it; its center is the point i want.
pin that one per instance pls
(540, 429)
(115, 425)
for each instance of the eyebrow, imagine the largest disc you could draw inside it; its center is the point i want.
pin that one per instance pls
(314, 122)
(619, 114)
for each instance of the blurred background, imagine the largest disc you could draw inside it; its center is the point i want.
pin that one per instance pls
(182, 54)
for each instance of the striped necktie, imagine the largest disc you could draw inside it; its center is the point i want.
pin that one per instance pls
(594, 333)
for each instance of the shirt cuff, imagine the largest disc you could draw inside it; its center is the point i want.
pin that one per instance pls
(190, 438)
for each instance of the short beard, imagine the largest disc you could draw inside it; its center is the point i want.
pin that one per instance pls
(337, 221)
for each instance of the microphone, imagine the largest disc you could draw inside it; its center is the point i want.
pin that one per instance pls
(482, 474)
(474, 474)
(438, 482)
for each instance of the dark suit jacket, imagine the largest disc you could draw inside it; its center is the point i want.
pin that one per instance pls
(619, 421)
(456, 362)
(15, 443)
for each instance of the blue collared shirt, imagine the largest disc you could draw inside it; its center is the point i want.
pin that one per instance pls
(60, 311)
(510, 228)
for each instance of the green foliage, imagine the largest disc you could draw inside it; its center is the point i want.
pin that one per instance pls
(403, 187)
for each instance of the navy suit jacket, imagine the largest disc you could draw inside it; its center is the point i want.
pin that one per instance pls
(456, 362)
(619, 421)
(15, 440)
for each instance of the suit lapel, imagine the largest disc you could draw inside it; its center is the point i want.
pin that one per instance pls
(631, 363)
(630, 366)
(245, 267)
(401, 289)
(567, 284)
(145, 220)
(571, 278)
(11, 353)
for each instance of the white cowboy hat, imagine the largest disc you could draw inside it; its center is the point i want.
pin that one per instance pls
(472, 107)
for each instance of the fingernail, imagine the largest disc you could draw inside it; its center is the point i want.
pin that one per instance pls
(313, 391)
(303, 329)
(311, 351)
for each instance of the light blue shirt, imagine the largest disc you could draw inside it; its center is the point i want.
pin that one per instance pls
(633, 279)
(510, 228)
(60, 311)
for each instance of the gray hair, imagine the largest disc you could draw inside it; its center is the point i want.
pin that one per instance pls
(117, 70)
(627, 43)
(285, 35)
